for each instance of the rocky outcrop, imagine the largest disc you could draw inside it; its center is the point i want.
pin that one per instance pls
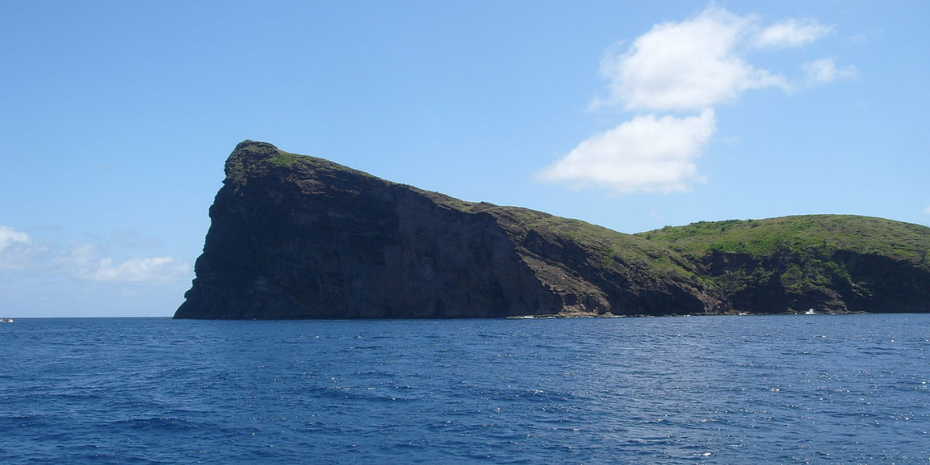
(824, 263)
(296, 237)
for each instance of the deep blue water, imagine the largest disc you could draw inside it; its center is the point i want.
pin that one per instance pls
(708, 390)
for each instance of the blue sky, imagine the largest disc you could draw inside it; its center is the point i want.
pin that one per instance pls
(116, 118)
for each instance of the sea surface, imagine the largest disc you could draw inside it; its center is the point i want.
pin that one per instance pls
(705, 390)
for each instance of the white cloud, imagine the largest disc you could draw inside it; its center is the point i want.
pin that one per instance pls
(646, 154)
(17, 249)
(688, 65)
(791, 33)
(85, 261)
(824, 71)
(927, 210)
(867, 36)
(77, 260)
(10, 236)
(157, 269)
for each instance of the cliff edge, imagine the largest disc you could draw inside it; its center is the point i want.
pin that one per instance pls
(297, 237)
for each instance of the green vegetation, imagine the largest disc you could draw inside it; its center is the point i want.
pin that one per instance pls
(283, 158)
(606, 249)
(449, 202)
(804, 253)
(258, 159)
(812, 235)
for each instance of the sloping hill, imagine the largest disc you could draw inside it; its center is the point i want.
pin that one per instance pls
(824, 262)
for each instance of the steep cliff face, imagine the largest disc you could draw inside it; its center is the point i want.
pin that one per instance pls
(300, 237)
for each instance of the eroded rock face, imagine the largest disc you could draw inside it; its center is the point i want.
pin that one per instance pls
(295, 237)
(311, 239)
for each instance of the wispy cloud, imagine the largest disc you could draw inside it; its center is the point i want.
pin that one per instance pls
(17, 249)
(10, 237)
(84, 261)
(689, 66)
(825, 71)
(866, 37)
(927, 210)
(133, 240)
(158, 269)
(791, 33)
(647, 154)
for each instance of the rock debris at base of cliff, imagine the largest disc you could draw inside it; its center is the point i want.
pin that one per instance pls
(299, 237)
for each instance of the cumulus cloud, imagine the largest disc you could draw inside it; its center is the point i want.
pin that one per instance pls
(17, 249)
(688, 65)
(824, 71)
(791, 33)
(647, 154)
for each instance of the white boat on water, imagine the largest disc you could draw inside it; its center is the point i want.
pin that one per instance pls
(6, 320)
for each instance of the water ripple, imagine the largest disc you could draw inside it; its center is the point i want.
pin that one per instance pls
(657, 390)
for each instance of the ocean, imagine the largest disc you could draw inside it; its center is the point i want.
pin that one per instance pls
(706, 390)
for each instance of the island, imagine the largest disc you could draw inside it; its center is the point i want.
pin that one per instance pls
(299, 237)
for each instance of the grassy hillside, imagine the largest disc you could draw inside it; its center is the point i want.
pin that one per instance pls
(800, 235)
(606, 245)
(836, 262)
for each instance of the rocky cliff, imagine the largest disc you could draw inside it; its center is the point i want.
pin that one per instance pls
(297, 237)
(828, 263)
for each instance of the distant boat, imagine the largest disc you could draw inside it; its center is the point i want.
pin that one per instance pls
(6, 320)
(810, 312)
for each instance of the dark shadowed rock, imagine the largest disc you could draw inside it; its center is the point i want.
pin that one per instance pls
(297, 237)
